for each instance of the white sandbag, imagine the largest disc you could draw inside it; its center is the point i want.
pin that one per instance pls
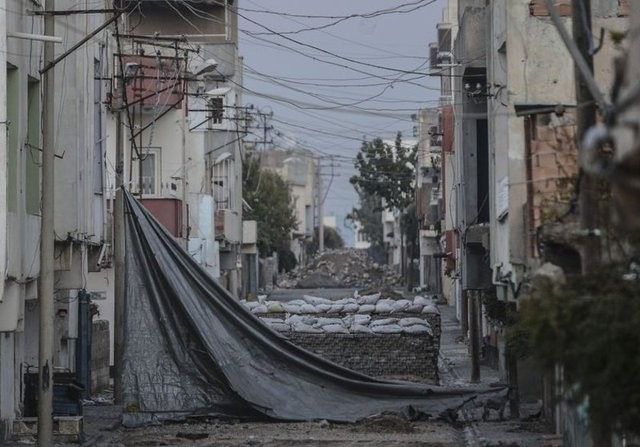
(386, 329)
(251, 304)
(335, 308)
(383, 322)
(261, 309)
(301, 327)
(384, 307)
(323, 321)
(304, 319)
(262, 298)
(344, 301)
(269, 321)
(274, 307)
(359, 329)
(418, 329)
(335, 329)
(366, 308)
(351, 308)
(430, 309)
(363, 319)
(296, 302)
(414, 309)
(368, 299)
(280, 327)
(291, 308)
(400, 305)
(323, 308)
(315, 300)
(308, 309)
(410, 321)
(418, 299)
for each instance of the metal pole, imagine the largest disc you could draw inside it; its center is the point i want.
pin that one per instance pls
(585, 118)
(474, 334)
(320, 211)
(47, 237)
(118, 252)
(185, 185)
(82, 41)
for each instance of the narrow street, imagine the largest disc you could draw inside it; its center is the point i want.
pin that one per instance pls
(102, 422)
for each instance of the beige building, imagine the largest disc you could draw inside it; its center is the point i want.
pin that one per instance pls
(80, 190)
(297, 167)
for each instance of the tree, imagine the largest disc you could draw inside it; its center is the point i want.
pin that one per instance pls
(386, 171)
(270, 204)
(369, 216)
(332, 240)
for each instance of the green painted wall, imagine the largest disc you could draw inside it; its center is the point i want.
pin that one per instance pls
(33, 149)
(13, 116)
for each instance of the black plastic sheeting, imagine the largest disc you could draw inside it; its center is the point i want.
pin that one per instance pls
(191, 349)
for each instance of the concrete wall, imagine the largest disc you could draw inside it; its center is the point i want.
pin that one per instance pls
(100, 335)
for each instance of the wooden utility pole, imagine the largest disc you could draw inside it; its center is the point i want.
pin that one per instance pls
(320, 210)
(474, 333)
(585, 118)
(47, 238)
(119, 247)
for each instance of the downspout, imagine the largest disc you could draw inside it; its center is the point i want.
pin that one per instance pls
(3, 144)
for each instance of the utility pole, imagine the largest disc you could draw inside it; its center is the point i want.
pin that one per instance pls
(585, 118)
(119, 246)
(320, 209)
(47, 237)
(185, 185)
(474, 333)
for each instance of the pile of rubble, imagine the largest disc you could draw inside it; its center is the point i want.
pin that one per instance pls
(340, 268)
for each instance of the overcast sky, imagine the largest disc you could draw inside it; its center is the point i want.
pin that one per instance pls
(329, 88)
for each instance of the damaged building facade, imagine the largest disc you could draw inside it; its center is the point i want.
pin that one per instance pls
(509, 159)
(80, 191)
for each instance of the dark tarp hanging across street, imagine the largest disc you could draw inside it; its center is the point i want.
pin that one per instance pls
(191, 349)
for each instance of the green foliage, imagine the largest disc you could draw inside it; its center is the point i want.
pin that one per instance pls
(332, 240)
(286, 259)
(271, 206)
(386, 171)
(591, 328)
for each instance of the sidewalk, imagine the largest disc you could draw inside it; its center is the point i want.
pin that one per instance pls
(455, 370)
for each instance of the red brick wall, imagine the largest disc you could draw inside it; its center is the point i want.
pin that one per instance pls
(538, 8)
(447, 128)
(552, 166)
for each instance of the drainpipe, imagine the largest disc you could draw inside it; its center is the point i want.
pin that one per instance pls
(3, 142)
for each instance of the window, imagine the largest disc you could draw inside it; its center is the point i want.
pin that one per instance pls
(221, 179)
(216, 105)
(149, 171)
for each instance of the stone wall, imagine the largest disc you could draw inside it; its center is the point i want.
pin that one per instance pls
(389, 356)
(99, 356)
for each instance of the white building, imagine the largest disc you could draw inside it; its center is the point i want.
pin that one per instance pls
(80, 208)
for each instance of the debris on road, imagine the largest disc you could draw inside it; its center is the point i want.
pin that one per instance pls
(340, 268)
